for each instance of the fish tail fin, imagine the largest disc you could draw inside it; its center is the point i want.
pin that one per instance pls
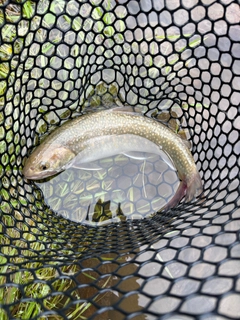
(177, 196)
(194, 187)
(191, 188)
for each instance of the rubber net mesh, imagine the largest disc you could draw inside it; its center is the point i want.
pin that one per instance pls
(177, 60)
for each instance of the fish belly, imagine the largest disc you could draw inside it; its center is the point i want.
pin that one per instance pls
(107, 146)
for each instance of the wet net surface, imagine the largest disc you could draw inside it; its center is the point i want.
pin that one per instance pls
(177, 58)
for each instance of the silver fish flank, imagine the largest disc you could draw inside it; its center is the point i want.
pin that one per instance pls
(106, 133)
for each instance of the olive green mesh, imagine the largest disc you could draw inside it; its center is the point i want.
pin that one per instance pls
(177, 61)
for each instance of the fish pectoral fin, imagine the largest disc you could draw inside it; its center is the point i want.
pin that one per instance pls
(76, 164)
(137, 155)
(166, 158)
(86, 166)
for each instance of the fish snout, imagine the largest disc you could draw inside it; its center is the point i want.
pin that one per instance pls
(28, 172)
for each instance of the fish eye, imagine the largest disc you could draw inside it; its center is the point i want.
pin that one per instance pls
(44, 166)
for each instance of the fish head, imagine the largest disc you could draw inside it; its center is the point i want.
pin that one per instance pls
(46, 161)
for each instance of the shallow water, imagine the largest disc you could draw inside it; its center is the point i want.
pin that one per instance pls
(124, 188)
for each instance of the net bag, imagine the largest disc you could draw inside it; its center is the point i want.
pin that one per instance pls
(177, 61)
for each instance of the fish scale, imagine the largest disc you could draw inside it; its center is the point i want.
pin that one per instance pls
(102, 123)
(105, 133)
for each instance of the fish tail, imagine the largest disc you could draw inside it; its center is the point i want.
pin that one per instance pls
(177, 197)
(190, 188)
(194, 187)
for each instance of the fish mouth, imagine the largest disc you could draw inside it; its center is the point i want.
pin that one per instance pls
(39, 176)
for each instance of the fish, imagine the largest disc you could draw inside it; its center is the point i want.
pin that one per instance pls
(105, 133)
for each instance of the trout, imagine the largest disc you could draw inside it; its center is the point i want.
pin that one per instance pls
(102, 134)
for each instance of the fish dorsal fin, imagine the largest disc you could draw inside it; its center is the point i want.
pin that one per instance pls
(187, 143)
(173, 123)
(138, 111)
(127, 109)
(184, 134)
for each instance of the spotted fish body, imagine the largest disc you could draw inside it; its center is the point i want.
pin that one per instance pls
(101, 134)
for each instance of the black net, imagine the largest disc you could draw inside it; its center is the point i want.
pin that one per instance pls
(177, 61)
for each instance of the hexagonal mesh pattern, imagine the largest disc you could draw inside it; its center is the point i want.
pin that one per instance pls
(179, 59)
